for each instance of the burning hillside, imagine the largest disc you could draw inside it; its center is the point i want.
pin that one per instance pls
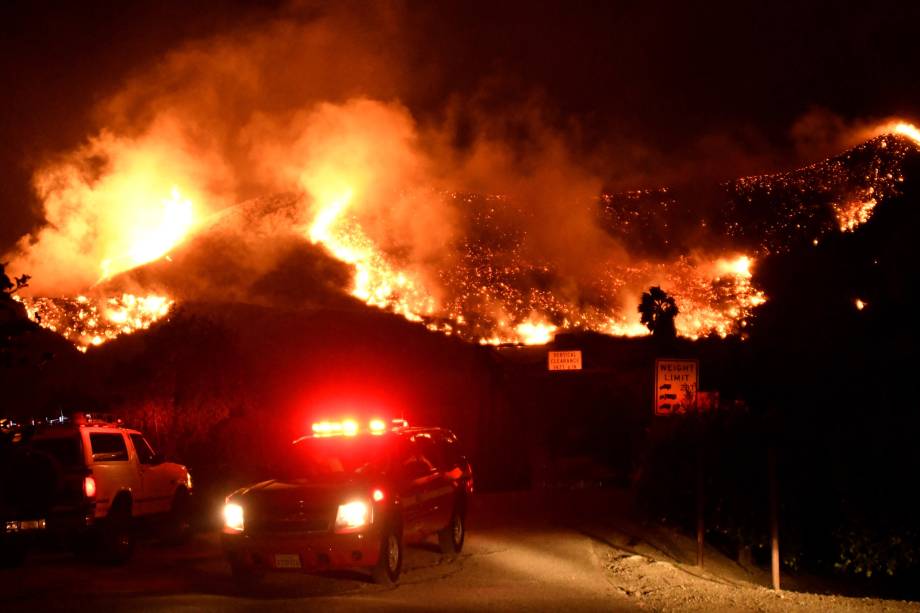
(483, 281)
(838, 194)
(92, 321)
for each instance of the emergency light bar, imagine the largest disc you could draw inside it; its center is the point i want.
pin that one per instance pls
(350, 427)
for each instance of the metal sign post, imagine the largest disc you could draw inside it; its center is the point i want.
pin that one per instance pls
(676, 393)
(774, 517)
(700, 491)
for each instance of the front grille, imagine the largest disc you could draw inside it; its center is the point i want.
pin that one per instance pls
(288, 525)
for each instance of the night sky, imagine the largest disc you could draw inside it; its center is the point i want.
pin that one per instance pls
(646, 85)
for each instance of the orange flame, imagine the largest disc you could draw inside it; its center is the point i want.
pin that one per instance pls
(902, 128)
(153, 232)
(89, 322)
(112, 205)
(144, 204)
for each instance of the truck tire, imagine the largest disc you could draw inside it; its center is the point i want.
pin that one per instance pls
(452, 537)
(178, 524)
(389, 564)
(117, 538)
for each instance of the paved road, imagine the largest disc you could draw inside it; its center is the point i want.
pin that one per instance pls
(518, 557)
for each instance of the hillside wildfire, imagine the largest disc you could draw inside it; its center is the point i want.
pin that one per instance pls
(88, 322)
(486, 279)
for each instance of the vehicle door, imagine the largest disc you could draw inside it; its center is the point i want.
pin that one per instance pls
(157, 480)
(413, 475)
(438, 492)
(112, 468)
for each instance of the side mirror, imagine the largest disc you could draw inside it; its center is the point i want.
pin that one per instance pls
(157, 458)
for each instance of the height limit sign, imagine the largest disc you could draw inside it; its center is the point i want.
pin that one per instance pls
(564, 360)
(676, 384)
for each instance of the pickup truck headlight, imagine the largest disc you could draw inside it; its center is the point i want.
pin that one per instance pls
(233, 517)
(353, 516)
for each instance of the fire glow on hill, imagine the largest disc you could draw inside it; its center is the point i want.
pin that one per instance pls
(90, 322)
(460, 264)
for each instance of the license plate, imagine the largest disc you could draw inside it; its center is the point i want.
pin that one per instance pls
(287, 560)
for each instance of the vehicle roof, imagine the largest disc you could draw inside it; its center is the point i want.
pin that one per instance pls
(56, 430)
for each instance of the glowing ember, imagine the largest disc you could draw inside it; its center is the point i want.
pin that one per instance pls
(837, 194)
(854, 214)
(92, 321)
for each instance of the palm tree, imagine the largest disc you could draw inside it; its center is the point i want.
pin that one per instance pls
(658, 312)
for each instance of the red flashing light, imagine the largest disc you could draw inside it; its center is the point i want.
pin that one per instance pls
(350, 427)
(377, 495)
(89, 487)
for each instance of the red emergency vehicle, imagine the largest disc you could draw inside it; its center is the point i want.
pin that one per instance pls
(349, 496)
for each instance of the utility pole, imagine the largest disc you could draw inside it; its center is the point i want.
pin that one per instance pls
(700, 490)
(774, 515)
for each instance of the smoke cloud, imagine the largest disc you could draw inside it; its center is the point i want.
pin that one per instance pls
(306, 103)
(311, 104)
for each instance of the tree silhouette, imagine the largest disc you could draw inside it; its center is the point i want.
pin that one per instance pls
(658, 312)
(10, 310)
(13, 317)
(7, 287)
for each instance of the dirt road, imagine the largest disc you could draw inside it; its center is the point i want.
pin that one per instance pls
(522, 554)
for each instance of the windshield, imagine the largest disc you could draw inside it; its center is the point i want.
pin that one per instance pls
(337, 457)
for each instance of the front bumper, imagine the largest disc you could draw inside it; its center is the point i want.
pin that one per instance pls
(305, 552)
(59, 526)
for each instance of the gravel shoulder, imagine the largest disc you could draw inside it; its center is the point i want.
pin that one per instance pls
(654, 566)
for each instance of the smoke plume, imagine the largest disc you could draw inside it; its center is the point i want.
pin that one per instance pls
(311, 104)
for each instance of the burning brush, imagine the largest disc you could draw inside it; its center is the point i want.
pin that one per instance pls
(483, 280)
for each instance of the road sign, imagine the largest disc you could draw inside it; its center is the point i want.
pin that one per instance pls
(676, 384)
(564, 360)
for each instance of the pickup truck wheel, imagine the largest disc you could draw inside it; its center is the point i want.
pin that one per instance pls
(117, 535)
(389, 564)
(451, 538)
(179, 527)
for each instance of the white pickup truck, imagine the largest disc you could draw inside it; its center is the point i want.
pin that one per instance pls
(88, 483)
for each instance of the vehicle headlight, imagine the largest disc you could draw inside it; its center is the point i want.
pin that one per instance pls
(353, 516)
(188, 481)
(233, 517)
